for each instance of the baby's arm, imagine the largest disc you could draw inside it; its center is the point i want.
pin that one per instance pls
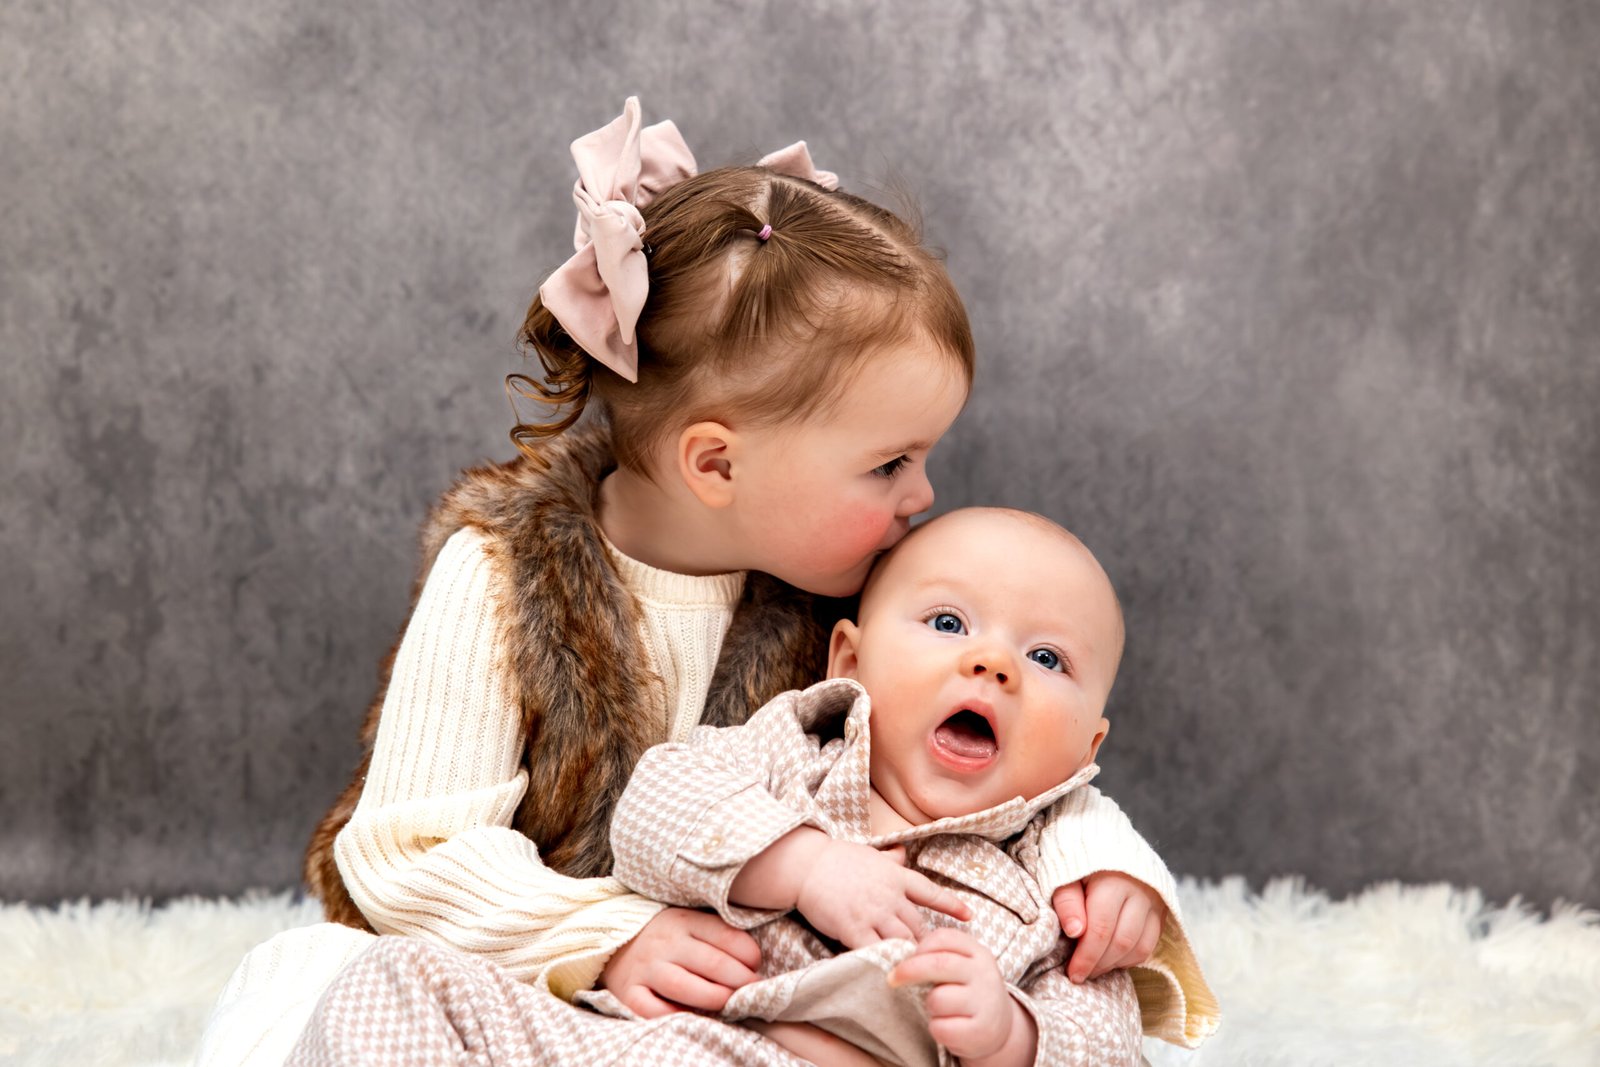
(971, 1011)
(984, 1022)
(852, 893)
(702, 823)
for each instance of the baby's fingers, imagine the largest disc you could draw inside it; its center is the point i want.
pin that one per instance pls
(930, 968)
(896, 926)
(923, 890)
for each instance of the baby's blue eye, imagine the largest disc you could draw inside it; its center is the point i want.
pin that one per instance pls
(1046, 659)
(947, 623)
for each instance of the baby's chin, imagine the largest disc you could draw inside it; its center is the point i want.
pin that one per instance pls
(948, 803)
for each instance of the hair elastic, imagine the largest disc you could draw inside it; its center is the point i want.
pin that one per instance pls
(765, 232)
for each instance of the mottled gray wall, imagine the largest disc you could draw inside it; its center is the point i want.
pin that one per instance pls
(1289, 308)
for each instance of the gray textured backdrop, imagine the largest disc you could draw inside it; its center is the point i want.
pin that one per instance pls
(1289, 308)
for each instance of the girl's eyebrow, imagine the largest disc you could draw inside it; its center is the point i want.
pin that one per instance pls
(901, 450)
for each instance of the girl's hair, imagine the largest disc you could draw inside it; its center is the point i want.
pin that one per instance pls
(736, 327)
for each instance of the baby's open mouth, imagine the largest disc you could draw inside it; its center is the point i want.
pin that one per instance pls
(966, 735)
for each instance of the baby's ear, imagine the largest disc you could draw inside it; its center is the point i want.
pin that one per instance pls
(842, 649)
(1099, 738)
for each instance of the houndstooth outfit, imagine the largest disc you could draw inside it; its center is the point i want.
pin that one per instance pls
(694, 813)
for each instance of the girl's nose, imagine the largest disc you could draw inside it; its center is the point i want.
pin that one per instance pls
(918, 497)
(992, 662)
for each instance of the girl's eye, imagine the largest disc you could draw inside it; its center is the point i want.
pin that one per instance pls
(1047, 659)
(947, 623)
(891, 468)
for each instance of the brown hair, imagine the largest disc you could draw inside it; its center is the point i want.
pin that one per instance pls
(738, 327)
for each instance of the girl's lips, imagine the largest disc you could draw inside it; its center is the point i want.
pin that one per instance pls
(894, 534)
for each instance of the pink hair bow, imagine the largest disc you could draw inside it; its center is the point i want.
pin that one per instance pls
(795, 161)
(598, 293)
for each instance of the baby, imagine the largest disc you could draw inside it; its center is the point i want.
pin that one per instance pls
(876, 833)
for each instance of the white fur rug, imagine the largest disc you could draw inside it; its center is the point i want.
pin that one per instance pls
(1413, 976)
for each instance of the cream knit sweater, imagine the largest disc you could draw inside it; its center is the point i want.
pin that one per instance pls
(430, 850)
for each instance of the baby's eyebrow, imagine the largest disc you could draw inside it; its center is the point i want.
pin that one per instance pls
(931, 581)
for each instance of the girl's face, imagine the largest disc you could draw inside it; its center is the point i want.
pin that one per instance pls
(818, 501)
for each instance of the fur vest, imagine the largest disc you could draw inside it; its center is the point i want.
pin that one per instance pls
(570, 630)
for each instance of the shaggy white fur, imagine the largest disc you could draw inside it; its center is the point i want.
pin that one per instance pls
(1417, 976)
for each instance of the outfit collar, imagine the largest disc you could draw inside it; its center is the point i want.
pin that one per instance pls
(846, 787)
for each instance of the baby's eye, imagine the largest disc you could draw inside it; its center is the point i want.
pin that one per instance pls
(1047, 659)
(891, 468)
(947, 623)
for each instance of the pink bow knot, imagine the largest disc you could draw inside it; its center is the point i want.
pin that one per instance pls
(598, 293)
(795, 161)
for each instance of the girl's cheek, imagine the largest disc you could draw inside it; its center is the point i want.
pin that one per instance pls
(846, 539)
(861, 531)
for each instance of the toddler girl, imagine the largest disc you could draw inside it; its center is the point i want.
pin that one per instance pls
(772, 361)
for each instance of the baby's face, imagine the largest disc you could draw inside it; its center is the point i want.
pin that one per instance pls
(988, 644)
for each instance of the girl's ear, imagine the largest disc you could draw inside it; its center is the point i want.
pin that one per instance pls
(705, 457)
(842, 649)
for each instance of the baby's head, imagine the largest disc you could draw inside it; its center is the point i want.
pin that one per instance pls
(800, 331)
(988, 641)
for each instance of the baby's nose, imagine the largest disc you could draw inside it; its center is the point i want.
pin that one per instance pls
(993, 661)
(983, 668)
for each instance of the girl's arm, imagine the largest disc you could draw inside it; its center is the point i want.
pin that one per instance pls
(1085, 834)
(430, 850)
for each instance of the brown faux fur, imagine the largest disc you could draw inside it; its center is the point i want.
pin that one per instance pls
(570, 632)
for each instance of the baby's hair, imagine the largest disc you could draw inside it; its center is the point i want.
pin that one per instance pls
(736, 326)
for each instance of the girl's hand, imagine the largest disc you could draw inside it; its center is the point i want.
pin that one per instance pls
(970, 1011)
(1116, 919)
(681, 959)
(859, 895)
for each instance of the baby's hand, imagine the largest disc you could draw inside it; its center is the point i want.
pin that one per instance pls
(1117, 920)
(970, 1011)
(859, 895)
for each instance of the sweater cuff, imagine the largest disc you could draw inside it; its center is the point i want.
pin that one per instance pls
(1175, 1002)
(1086, 832)
(623, 918)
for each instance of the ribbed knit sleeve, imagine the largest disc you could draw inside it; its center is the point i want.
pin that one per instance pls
(1085, 832)
(430, 850)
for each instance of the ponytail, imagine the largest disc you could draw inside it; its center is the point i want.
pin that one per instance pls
(567, 381)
